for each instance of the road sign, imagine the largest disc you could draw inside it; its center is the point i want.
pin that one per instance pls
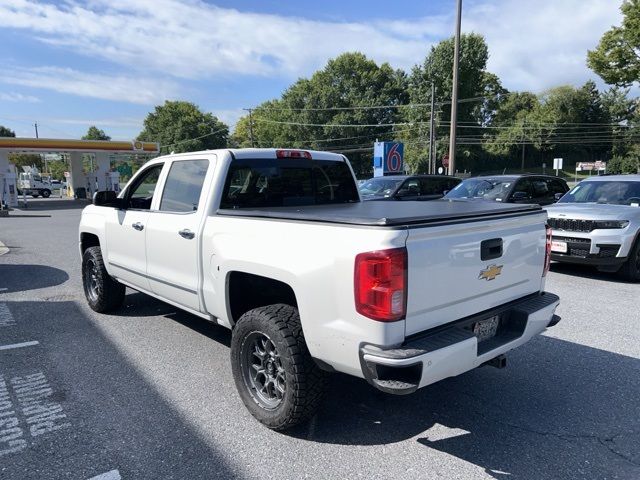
(590, 166)
(445, 161)
(557, 164)
(67, 174)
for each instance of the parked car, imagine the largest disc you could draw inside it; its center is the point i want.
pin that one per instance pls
(525, 188)
(277, 246)
(402, 187)
(598, 223)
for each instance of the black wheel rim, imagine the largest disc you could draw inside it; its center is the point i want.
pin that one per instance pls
(262, 370)
(91, 284)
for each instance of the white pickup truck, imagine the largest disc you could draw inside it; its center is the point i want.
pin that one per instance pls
(277, 246)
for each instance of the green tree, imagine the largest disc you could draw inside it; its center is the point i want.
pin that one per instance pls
(622, 112)
(327, 110)
(182, 127)
(474, 82)
(617, 57)
(26, 160)
(95, 133)
(6, 132)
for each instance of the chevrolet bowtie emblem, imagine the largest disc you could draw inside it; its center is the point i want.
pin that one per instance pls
(490, 273)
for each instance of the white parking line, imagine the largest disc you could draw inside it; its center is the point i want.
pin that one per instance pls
(18, 345)
(112, 475)
(3, 249)
(6, 319)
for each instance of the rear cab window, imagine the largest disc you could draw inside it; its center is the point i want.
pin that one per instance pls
(255, 183)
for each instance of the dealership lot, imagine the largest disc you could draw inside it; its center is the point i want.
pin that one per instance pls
(148, 392)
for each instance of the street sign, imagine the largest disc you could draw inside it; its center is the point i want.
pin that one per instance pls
(67, 174)
(388, 158)
(557, 164)
(440, 170)
(590, 166)
(445, 161)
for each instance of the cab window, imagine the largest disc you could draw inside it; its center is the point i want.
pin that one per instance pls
(140, 195)
(183, 187)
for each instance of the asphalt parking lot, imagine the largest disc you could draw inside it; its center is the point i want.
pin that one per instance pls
(148, 392)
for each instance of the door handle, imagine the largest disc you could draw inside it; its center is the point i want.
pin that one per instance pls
(138, 226)
(186, 233)
(491, 249)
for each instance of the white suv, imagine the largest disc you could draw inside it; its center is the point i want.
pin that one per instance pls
(598, 223)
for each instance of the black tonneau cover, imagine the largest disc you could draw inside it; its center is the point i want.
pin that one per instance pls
(388, 214)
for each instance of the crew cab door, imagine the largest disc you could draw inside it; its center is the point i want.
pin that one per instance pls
(172, 241)
(125, 229)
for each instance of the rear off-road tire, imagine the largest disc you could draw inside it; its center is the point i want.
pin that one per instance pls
(278, 381)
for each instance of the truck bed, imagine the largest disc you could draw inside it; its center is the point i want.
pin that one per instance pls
(389, 214)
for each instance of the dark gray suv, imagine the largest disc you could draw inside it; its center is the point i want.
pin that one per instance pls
(526, 188)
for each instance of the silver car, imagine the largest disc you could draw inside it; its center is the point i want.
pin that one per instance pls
(598, 223)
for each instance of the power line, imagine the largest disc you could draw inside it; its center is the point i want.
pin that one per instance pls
(344, 125)
(195, 138)
(366, 107)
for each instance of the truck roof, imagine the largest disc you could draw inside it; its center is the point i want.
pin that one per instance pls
(387, 214)
(263, 153)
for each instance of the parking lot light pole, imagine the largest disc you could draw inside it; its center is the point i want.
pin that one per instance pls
(454, 93)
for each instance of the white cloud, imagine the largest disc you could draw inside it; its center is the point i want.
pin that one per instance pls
(192, 39)
(533, 43)
(18, 97)
(133, 89)
(537, 44)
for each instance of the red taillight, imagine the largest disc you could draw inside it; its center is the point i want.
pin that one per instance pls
(547, 251)
(380, 284)
(293, 154)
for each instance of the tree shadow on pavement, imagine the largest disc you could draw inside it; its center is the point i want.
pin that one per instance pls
(118, 419)
(16, 278)
(559, 410)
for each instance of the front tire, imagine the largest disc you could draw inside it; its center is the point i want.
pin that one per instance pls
(103, 293)
(631, 268)
(278, 381)
(46, 193)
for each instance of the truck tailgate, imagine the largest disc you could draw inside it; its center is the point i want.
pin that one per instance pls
(457, 270)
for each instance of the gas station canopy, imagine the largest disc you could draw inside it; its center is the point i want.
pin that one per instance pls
(86, 146)
(78, 181)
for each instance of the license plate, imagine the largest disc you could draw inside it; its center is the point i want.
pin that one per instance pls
(557, 246)
(487, 328)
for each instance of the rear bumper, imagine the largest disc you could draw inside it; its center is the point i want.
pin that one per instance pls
(453, 349)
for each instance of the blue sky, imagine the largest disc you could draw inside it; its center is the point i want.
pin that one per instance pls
(72, 64)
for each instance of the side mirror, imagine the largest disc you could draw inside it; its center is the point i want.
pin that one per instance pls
(107, 198)
(519, 196)
(558, 196)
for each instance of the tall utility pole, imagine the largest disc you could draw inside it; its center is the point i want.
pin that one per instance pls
(454, 93)
(432, 134)
(36, 127)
